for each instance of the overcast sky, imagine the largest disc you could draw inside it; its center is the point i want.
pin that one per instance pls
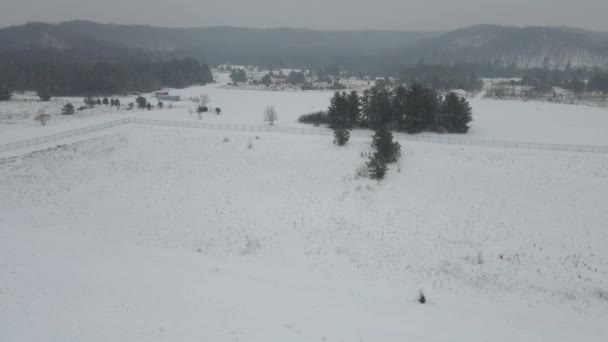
(315, 14)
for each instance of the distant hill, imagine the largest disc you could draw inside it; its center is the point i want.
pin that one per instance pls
(366, 51)
(527, 47)
(276, 47)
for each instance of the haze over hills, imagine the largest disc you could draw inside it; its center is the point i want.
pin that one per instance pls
(377, 51)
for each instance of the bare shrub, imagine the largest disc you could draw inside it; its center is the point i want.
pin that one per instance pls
(42, 117)
(362, 171)
(203, 100)
(270, 115)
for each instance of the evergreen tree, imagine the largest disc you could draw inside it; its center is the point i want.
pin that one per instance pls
(148, 106)
(296, 77)
(378, 107)
(98, 102)
(105, 101)
(384, 146)
(337, 113)
(67, 109)
(462, 117)
(117, 103)
(141, 102)
(455, 115)
(365, 108)
(238, 76)
(353, 104)
(161, 104)
(266, 80)
(376, 166)
(341, 136)
(44, 93)
(420, 109)
(398, 105)
(5, 93)
(90, 102)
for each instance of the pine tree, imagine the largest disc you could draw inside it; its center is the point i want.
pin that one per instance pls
(98, 102)
(398, 106)
(383, 145)
(455, 114)
(67, 109)
(341, 136)
(353, 111)
(90, 102)
(365, 108)
(44, 93)
(161, 104)
(421, 108)
(337, 113)
(105, 101)
(378, 107)
(463, 117)
(141, 102)
(266, 80)
(376, 166)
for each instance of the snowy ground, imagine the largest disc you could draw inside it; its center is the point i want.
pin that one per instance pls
(151, 233)
(168, 234)
(493, 120)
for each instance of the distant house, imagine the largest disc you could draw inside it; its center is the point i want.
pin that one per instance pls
(161, 93)
(167, 97)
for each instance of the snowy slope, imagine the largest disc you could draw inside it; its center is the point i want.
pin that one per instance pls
(172, 234)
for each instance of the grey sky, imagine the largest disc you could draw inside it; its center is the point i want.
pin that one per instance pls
(316, 14)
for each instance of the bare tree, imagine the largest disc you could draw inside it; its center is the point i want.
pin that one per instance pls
(270, 115)
(42, 117)
(203, 100)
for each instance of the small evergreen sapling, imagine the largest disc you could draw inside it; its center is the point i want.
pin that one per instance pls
(341, 136)
(383, 144)
(421, 298)
(376, 166)
(67, 109)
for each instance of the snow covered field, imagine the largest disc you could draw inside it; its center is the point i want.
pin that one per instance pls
(143, 233)
(153, 233)
(538, 122)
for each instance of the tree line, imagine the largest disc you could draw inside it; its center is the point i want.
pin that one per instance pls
(57, 78)
(412, 110)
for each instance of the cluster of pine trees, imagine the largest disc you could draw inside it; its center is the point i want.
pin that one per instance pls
(412, 110)
(57, 78)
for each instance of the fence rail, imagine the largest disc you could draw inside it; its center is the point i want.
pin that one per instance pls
(62, 135)
(436, 139)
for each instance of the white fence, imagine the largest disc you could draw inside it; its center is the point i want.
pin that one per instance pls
(62, 135)
(436, 139)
